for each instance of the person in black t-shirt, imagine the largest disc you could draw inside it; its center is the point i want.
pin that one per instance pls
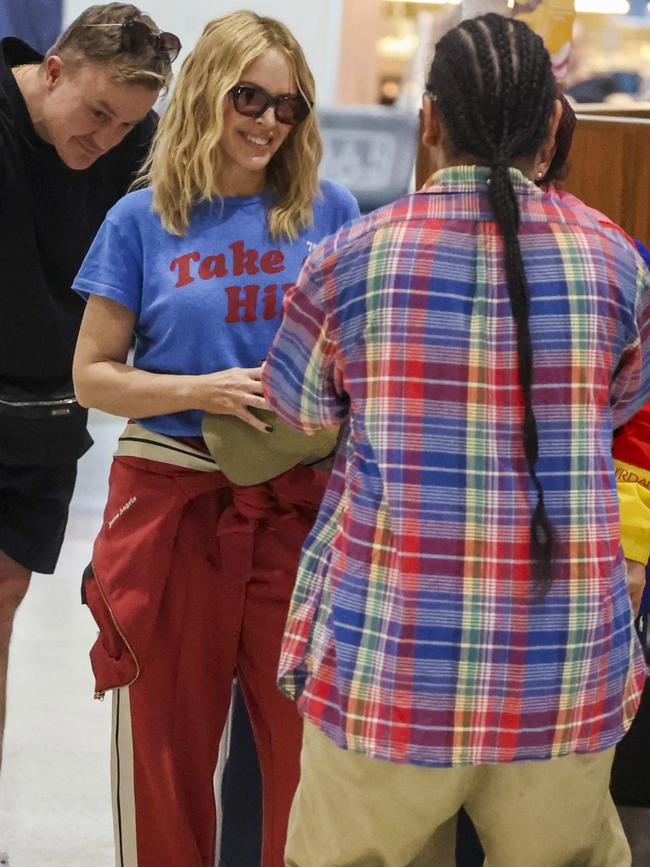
(75, 126)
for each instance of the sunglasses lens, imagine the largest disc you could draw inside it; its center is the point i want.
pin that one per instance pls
(135, 35)
(253, 102)
(291, 109)
(170, 44)
(250, 101)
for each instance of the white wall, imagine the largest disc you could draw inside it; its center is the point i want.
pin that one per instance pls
(315, 23)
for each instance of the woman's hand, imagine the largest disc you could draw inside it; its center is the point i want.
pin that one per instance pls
(232, 392)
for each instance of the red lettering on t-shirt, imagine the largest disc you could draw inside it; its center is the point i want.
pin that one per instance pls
(236, 303)
(213, 266)
(243, 260)
(272, 262)
(270, 303)
(183, 265)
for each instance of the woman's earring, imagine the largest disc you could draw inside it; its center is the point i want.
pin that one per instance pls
(540, 174)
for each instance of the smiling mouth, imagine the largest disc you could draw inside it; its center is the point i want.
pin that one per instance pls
(260, 142)
(90, 151)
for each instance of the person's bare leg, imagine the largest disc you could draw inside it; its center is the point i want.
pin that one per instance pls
(14, 581)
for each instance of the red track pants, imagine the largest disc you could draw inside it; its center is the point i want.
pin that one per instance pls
(231, 572)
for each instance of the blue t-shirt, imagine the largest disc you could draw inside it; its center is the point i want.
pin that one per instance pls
(211, 299)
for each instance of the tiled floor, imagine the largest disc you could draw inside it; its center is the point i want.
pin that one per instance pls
(54, 793)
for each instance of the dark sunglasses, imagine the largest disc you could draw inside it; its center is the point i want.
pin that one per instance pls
(136, 34)
(253, 101)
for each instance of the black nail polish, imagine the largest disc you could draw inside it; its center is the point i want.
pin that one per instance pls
(269, 429)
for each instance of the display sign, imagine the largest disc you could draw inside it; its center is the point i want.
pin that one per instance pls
(371, 150)
(553, 21)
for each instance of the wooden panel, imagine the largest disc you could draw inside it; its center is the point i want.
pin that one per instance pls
(610, 169)
(358, 61)
(630, 109)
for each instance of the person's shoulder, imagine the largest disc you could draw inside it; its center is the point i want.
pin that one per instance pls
(15, 52)
(354, 236)
(335, 191)
(585, 212)
(334, 207)
(10, 142)
(13, 116)
(9, 124)
(132, 208)
(336, 195)
(396, 213)
(597, 227)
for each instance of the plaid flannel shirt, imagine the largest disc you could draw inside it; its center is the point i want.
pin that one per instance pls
(414, 633)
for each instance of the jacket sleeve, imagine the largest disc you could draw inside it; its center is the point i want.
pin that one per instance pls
(631, 449)
(634, 503)
(630, 384)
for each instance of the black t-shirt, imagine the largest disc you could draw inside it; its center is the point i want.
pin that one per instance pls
(49, 214)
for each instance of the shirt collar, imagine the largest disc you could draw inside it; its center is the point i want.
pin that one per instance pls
(468, 179)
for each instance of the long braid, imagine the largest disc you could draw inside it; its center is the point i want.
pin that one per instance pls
(492, 80)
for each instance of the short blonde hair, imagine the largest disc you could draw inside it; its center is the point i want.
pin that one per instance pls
(84, 42)
(185, 165)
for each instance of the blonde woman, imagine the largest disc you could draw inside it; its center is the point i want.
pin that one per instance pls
(191, 573)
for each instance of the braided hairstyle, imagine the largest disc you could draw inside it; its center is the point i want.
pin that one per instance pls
(492, 80)
(559, 167)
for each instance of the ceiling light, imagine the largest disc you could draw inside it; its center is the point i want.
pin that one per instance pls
(603, 7)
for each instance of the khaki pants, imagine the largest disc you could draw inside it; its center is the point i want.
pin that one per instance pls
(354, 811)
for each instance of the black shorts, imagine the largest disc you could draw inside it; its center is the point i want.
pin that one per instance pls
(34, 505)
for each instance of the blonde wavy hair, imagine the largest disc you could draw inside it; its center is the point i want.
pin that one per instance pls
(185, 164)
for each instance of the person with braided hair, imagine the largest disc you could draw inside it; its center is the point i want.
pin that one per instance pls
(460, 634)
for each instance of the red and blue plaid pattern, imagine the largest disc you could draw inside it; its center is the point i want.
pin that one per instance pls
(414, 633)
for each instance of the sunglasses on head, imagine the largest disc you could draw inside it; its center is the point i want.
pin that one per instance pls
(253, 101)
(135, 35)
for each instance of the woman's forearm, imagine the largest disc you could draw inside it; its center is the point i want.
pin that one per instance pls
(103, 379)
(120, 389)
